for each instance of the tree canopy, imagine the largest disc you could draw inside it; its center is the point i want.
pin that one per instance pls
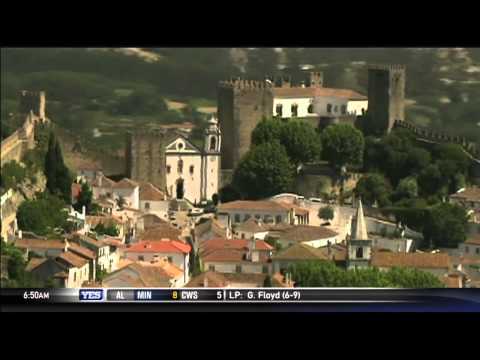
(59, 180)
(374, 188)
(445, 225)
(264, 171)
(343, 145)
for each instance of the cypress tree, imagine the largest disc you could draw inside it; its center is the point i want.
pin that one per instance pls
(51, 164)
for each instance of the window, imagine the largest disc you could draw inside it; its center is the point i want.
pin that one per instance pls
(243, 236)
(246, 217)
(466, 249)
(477, 251)
(359, 254)
(335, 109)
(147, 206)
(258, 217)
(180, 146)
(344, 109)
(238, 268)
(237, 218)
(141, 258)
(294, 110)
(180, 166)
(329, 108)
(213, 143)
(170, 259)
(279, 110)
(264, 269)
(211, 267)
(74, 276)
(278, 219)
(191, 169)
(168, 169)
(310, 109)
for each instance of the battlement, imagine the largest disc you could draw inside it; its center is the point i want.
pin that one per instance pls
(244, 84)
(383, 67)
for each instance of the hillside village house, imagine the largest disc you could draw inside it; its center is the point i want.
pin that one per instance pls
(270, 212)
(92, 221)
(231, 280)
(469, 198)
(471, 246)
(315, 236)
(236, 256)
(127, 189)
(107, 253)
(250, 229)
(436, 264)
(141, 274)
(153, 201)
(174, 251)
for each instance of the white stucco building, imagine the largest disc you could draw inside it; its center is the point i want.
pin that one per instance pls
(193, 173)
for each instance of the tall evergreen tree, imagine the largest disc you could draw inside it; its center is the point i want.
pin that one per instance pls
(51, 164)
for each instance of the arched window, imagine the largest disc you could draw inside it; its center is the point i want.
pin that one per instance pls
(329, 108)
(294, 110)
(279, 109)
(191, 169)
(147, 206)
(180, 166)
(310, 109)
(359, 254)
(213, 143)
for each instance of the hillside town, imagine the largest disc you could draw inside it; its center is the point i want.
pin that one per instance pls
(293, 185)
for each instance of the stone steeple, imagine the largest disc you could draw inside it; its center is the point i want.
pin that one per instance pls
(359, 227)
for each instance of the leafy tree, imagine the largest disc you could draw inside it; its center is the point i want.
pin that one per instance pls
(326, 274)
(12, 175)
(264, 171)
(326, 213)
(431, 181)
(267, 130)
(407, 188)
(109, 229)
(374, 188)
(229, 193)
(445, 225)
(17, 276)
(141, 102)
(84, 199)
(42, 215)
(302, 142)
(342, 145)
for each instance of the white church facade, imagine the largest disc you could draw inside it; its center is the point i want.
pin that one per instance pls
(193, 173)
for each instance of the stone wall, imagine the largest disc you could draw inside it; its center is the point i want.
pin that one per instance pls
(23, 139)
(241, 106)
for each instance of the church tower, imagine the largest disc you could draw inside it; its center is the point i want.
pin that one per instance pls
(211, 159)
(359, 247)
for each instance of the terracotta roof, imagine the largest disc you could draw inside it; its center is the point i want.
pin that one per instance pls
(215, 279)
(220, 243)
(260, 205)
(103, 181)
(137, 275)
(170, 269)
(474, 240)
(34, 263)
(302, 233)
(91, 241)
(125, 183)
(149, 192)
(162, 246)
(251, 225)
(299, 92)
(413, 260)
(81, 251)
(159, 232)
(72, 259)
(301, 252)
(469, 194)
(39, 244)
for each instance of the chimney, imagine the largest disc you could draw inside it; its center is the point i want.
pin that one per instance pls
(66, 245)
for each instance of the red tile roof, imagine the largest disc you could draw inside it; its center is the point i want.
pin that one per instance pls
(469, 194)
(260, 205)
(125, 184)
(76, 190)
(302, 233)
(149, 192)
(299, 92)
(234, 244)
(159, 232)
(72, 259)
(39, 244)
(474, 240)
(81, 251)
(235, 250)
(34, 263)
(162, 246)
(413, 260)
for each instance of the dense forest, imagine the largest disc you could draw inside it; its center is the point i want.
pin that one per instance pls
(111, 90)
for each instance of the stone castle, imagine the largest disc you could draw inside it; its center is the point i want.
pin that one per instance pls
(243, 103)
(32, 107)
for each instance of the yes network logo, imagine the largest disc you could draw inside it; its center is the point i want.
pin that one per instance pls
(91, 295)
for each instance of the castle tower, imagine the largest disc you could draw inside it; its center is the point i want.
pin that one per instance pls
(241, 106)
(386, 96)
(211, 160)
(359, 247)
(145, 157)
(33, 101)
